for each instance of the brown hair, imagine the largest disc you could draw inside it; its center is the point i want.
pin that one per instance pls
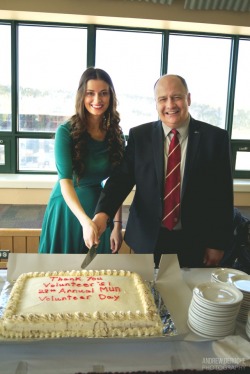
(110, 123)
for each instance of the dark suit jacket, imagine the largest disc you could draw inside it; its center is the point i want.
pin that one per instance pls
(207, 190)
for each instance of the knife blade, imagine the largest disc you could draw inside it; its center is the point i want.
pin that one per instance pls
(89, 257)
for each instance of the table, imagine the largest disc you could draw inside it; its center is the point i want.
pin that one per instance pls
(76, 355)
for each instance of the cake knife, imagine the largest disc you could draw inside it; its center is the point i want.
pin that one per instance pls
(90, 256)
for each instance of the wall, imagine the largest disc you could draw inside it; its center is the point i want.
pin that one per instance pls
(27, 241)
(38, 191)
(127, 13)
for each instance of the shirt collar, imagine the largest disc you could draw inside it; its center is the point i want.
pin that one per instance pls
(183, 129)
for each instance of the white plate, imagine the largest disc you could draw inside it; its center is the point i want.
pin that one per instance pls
(217, 308)
(212, 312)
(245, 306)
(207, 335)
(209, 328)
(218, 293)
(213, 320)
(225, 275)
(242, 282)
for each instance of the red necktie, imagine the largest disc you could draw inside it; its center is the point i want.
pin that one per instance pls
(172, 184)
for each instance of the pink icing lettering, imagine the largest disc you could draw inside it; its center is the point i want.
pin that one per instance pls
(60, 279)
(85, 297)
(93, 278)
(103, 297)
(110, 289)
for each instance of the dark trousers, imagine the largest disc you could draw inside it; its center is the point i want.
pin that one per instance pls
(190, 250)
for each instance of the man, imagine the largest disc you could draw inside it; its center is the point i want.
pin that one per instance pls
(203, 224)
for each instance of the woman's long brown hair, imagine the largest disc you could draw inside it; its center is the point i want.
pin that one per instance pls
(111, 122)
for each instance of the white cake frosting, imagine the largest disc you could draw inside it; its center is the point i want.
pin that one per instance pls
(87, 303)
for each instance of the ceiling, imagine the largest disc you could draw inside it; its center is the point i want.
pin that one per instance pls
(230, 5)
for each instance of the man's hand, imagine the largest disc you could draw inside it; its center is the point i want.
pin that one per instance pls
(212, 257)
(101, 220)
(116, 238)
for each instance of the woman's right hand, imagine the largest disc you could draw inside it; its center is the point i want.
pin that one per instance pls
(90, 233)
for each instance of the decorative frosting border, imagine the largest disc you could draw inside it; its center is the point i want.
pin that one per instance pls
(150, 312)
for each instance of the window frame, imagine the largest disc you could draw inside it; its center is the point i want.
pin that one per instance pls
(12, 137)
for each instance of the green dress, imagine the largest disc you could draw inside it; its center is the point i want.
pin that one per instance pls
(61, 230)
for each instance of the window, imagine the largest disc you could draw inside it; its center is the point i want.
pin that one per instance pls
(241, 158)
(241, 118)
(42, 65)
(133, 60)
(2, 154)
(204, 62)
(5, 78)
(51, 61)
(36, 154)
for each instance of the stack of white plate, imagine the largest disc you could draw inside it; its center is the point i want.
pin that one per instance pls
(213, 310)
(242, 283)
(248, 325)
(225, 275)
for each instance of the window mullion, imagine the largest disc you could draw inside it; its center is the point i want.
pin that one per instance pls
(14, 96)
(232, 84)
(164, 54)
(91, 45)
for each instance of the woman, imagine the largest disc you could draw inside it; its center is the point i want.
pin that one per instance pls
(87, 147)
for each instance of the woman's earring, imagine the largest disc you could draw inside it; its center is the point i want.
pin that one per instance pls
(108, 121)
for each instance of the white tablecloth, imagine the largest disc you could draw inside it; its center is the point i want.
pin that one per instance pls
(71, 356)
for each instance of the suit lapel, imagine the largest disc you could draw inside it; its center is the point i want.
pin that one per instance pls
(192, 149)
(158, 151)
